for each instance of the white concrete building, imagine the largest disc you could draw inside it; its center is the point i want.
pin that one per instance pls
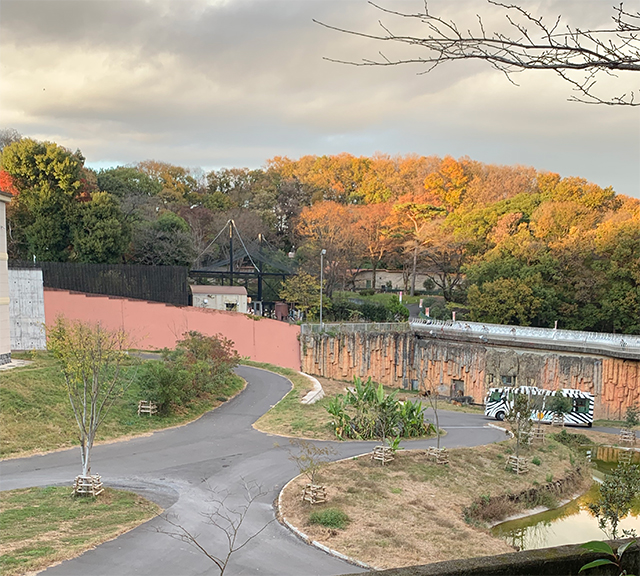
(5, 330)
(393, 279)
(230, 298)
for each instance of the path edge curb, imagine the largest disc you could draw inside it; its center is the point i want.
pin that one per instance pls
(281, 518)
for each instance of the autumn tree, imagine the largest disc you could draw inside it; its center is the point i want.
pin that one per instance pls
(411, 216)
(91, 358)
(179, 185)
(374, 228)
(330, 226)
(448, 184)
(444, 252)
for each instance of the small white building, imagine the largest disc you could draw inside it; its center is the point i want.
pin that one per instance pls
(230, 298)
(393, 279)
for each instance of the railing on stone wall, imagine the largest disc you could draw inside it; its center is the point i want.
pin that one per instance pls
(626, 344)
(351, 327)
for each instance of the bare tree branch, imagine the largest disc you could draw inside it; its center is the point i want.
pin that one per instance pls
(532, 45)
(225, 518)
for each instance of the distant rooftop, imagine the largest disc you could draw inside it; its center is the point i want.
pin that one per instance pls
(241, 290)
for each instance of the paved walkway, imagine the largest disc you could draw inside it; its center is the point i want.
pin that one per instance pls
(172, 468)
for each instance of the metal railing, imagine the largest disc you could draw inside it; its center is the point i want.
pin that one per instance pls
(353, 327)
(627, 343)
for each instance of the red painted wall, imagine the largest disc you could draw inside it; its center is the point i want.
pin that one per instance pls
(153, 326)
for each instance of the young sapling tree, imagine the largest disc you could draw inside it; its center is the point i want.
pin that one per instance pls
(519, 416)
(309, 458)
(91, 358)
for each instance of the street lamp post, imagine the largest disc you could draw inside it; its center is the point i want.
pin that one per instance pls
(322, 253)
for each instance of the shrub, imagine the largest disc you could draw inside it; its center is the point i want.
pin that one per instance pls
(367, 413)
(571, 440)
(632, 417)
(330, 517)
(165, 384)
(397, 311)
(199, 365)
(535, 460)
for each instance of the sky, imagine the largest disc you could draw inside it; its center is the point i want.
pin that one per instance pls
(232, 83)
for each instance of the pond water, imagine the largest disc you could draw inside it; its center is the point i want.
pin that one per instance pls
(572, 523)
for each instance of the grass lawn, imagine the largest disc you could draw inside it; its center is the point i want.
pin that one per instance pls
(411, 511)
(42, 526)
(382, 297)
(291, 418)
(36, 415)
(612, 424)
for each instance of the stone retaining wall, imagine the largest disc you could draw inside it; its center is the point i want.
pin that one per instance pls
(410, 360)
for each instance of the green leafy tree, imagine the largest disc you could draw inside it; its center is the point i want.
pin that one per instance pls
(303, 291)
(124, 181)
(49, 181)
(91, 358)
(101, 234)
(163, 242)
(503, 301)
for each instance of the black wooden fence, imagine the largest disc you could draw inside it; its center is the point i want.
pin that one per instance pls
(156, 283)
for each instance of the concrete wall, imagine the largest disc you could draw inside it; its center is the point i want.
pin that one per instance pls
(564, 560)
(26, 295)
(5, 330)
(405, 360)
(153, 326)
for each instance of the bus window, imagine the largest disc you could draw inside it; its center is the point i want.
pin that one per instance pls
(581, 406)
(496, 395)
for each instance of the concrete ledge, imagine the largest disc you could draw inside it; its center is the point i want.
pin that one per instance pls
(561, 560)
(314, 395)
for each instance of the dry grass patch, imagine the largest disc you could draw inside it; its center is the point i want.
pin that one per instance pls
(291, 418)
(42, 526)
(411, 511)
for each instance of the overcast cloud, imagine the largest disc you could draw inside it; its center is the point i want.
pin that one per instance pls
(232, 83)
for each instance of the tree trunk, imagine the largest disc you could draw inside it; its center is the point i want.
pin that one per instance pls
(85, 448)
(413, 272)
(435, 411)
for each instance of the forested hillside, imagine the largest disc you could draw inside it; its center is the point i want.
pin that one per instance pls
(508, 244)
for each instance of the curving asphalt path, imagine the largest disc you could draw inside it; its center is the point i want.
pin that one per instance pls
(173, 467)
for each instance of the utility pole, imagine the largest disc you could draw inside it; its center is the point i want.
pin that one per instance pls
(322, 253)
(259, 267)
(230, 252)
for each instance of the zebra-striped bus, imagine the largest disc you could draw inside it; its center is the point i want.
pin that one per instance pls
(499, 402)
